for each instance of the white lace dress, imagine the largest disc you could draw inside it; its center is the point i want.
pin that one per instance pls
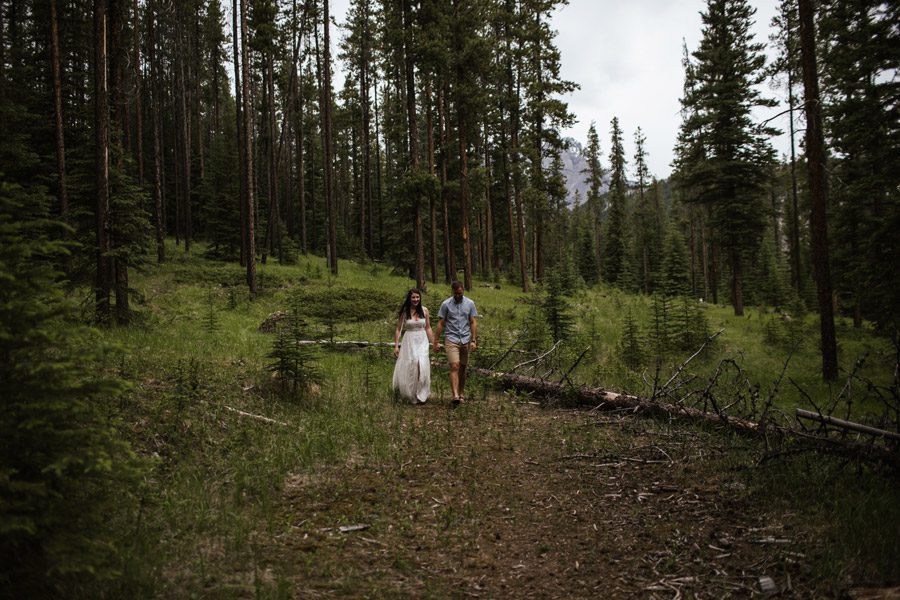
(412, 372)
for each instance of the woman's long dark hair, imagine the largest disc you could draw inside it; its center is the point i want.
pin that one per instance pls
(407, 305)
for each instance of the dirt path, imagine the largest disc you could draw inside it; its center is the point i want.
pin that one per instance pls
(499, 499)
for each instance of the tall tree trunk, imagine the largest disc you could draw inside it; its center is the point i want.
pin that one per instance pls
(301, 169)
(138, 91)
(737, 292)
(409, 72)
(248, 151)
(538, 167)
(517, 185)
(378, 183)
(238, 113)
(183, 90)
(464, 198)
(157, 150)
(692, 220)
(706, 262)
(58, 113)
(488, 214)
(449, 257)
(118, 120)
(365, 200)
(101, 149)
(432, 200)
(796, 278)
(272, 228)
(327, 146)
(713, 268)
(815, 161)
(507, 184)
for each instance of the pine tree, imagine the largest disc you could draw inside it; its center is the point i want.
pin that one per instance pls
(60, 456)
(556, 306)
(630, 348)
(594, 176)
(295, 364)
(614, 238)
(858, 40)
(586, 258)
(647, 220)
(674, 276)
(728, 155)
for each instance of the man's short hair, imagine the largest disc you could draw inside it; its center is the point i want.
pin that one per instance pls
(456, 285)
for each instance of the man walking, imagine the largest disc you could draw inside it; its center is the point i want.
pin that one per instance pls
(458, 315)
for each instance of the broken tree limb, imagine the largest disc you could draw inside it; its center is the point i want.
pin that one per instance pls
(690, 358)
(575, 364)
(835, 422)
(539, 358)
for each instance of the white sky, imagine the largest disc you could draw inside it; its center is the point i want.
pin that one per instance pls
(627, 58)
(626, 55)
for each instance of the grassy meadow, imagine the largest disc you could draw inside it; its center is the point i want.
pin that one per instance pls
(213, 496)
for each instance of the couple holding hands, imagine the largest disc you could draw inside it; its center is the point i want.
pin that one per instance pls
(456, 320)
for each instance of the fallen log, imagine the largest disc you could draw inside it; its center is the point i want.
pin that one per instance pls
(608, 400)
(343, 343)
(613, 400)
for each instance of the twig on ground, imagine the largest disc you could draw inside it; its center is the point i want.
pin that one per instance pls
(252, 416)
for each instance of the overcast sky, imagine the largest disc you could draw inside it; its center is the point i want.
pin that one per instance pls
(626, 56)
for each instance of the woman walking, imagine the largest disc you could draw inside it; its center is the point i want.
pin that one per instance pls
(412, 371)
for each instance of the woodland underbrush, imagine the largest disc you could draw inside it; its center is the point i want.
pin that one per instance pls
(218, 432)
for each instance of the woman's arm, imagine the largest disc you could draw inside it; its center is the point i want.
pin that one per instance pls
(428, 331)
(397, 337)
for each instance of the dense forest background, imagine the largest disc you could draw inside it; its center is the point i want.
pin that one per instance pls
(441, 152)
(124, 123)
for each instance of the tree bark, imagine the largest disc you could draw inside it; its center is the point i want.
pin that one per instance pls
(444, 125)
(101, 151)
(272, 224)
(248, 151)
(58, 113)
(432, 199)
(327, 159)
(157, 151)
(413, 129)
(517, 172)
(464, 199)
(138, 91)
(815, 161)
(737, 292)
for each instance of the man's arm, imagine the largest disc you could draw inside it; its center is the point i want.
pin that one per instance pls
(473, 324)
(437, 334)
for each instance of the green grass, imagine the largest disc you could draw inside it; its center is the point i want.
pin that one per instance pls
(217, 476)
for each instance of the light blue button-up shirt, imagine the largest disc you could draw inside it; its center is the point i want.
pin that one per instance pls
(457, 327)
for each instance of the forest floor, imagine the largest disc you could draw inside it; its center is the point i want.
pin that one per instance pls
(502, 498)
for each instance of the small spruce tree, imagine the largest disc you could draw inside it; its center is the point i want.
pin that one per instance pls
(630, 347)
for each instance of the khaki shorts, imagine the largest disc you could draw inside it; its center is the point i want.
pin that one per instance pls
(457, 353)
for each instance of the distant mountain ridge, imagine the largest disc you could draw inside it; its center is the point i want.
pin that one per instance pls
(574, 164)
